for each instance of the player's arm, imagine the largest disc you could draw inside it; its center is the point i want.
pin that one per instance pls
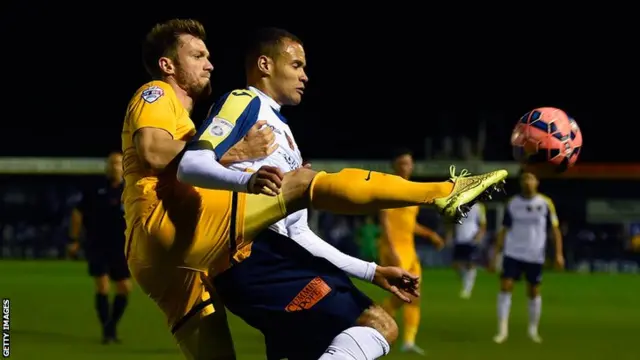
(75, 225)
(152, 120)
(385, 239)
(157, 147)
(427, 233)
(449, 233)
(229, 121)
(258, 143)
(507, 222)
(237, 153)
(556, 234)
(502, 233)
(305, 237)
(482, 224)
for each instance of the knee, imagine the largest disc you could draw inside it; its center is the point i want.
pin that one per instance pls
(506, 285)
(377, 318)
(102, 285)
(123, 287)
(533, 291)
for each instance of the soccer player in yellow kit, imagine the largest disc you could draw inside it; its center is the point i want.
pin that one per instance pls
(180, 232)
(156, 128)
(397, 248)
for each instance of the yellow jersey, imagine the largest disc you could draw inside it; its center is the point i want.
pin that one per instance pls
(156, 105)
(402, 224)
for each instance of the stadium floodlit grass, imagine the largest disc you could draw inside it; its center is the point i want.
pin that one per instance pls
(583, 317)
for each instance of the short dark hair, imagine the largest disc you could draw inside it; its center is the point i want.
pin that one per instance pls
(525, 172)
(398, 152)
(162, 41)
(266, 41)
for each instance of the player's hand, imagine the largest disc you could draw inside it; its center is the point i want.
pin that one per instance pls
(259, 142)
(72, 249)
(448, 241)
(438, 242)
(560, 262)
(267, 180)
(397, 281)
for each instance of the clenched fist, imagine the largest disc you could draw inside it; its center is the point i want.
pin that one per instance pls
(267, 180)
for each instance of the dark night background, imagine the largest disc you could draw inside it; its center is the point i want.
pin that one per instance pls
(381, 75)
(380, 80)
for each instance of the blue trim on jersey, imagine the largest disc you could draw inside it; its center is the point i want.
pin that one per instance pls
(280, 116)
(247, 119)
(244, 122)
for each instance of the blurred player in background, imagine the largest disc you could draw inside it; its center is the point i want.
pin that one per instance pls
(466, 238)
(156, 127)
(368, 237)
(100, 213)
(527, 220)
(397, 248)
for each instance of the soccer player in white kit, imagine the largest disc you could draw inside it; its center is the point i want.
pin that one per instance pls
(268, 76)
(466, 238)
(522, 239)
(265, 273)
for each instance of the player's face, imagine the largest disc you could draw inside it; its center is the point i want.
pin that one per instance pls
(114, 167)
(288, 78)
(403, 166)
(193, 68)
(529, 183)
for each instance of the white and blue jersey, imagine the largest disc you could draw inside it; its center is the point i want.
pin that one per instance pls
(527, 222)
(231, 118)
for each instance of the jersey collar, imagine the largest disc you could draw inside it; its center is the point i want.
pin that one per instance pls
(266, 98)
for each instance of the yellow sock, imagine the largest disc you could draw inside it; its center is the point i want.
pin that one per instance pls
(357, 191)
(411, 322)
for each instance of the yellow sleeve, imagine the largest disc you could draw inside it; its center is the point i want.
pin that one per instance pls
(229, 121)
(552, 216)
(153, 106)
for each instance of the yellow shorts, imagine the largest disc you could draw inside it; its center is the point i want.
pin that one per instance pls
(185, 239)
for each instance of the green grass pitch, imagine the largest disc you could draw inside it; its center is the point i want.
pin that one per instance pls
(584, 317)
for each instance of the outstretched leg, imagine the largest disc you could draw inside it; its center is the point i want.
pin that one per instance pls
(356, 191)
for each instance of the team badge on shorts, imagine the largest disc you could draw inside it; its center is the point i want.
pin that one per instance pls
(152, 94)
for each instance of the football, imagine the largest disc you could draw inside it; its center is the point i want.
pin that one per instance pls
(547, 138)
